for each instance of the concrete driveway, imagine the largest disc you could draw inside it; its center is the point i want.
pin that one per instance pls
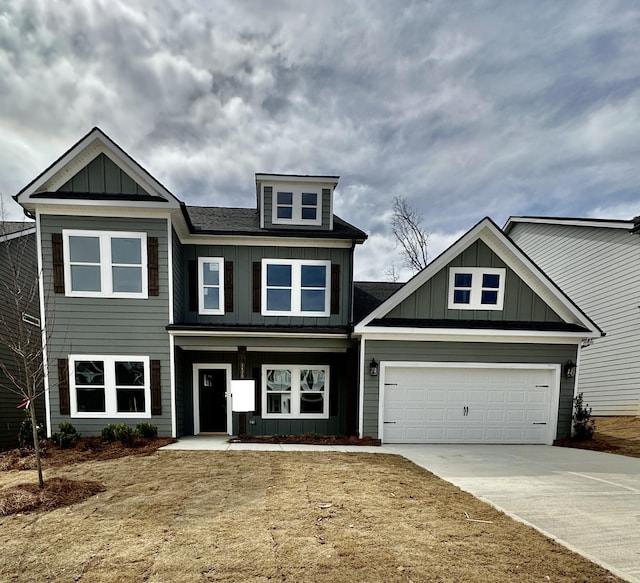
(587, 500)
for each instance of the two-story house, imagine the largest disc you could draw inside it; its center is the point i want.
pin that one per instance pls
(152, 307)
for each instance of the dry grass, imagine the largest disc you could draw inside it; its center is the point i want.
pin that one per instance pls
(265, 516)
(619, 435)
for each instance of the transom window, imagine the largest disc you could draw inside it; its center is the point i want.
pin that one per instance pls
(295, 287)
(211, 285)
(300, 391)
(476, 288)
(297, 207)
(105, 264)
(109, 386)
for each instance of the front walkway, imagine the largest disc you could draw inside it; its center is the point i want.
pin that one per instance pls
(588, 501)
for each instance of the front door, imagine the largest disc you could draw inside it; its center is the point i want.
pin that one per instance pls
(212, 397)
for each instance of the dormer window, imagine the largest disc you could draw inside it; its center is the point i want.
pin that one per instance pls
(297, 207)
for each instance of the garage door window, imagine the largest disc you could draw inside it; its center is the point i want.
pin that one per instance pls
(295, 391)
(475, 288)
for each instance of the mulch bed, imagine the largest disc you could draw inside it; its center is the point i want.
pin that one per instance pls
(307, 438)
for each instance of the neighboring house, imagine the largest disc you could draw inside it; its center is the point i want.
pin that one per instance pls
(17, 248)
(597, 263)
(477, 348)
(153, 307)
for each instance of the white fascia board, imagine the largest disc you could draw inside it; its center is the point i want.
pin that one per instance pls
(100, 210)
(245, 334)
(456, 335)
(262, 241)
(268, 178)
(607, 224)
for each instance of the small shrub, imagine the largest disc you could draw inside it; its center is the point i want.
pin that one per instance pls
(109, 433)
(583, 425)
(119, 432)
(146, 430)
(25, 433)
(67, 435)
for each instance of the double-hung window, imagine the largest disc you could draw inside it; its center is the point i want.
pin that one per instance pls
(105, 264)
(476, 288)
(300, 391)
(109, 386)
(292, 287)
(297, 207)
(211, 285)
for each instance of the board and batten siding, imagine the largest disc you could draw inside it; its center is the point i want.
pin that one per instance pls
(325, 196)
(477, 352)
(243, 258)
(107, 326)
(598, 268)
(430, 301)
(22, 250)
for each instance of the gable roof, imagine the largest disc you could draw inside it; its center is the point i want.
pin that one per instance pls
(572, 222)
(487, 231)
(42, 188)
(368, 295)
(213, 220)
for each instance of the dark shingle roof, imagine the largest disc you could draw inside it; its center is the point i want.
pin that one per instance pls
(368, 295)
(478, 324)
(246, 221)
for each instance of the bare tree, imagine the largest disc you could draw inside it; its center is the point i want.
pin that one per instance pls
(391, 273)
(406, 226)
(20, 330)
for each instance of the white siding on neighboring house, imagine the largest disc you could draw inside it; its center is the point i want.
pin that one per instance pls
(599, 268)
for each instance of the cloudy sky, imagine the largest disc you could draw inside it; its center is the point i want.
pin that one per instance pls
(465, 109)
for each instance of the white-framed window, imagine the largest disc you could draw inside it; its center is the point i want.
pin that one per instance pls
(300, 391)
(105, 264)
(476, 288)
(109, 386)
(293, 287)
(211, 285)
(297, 206)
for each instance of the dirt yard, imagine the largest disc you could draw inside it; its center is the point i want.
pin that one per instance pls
(265, 516)
(619, 435)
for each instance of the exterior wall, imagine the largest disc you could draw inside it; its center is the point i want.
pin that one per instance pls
(269, 192)
(598, 268)
(243, 258)
(179, 285)
(116, 326)
(342, 390)
(521, 303)
(23, 250)
(385, 350)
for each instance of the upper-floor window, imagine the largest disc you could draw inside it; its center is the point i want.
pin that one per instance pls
(105, 264)
(293, 287)
(297, 207)
(109, 386)
(211, 285)
(476, 288)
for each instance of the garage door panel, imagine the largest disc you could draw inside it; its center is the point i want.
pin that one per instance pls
(466, 405)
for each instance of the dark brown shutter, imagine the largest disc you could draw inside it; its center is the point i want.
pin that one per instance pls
(193, 285)
(257, 283)
(58, 263)
(257, 377)
(63, 386)
(335, 288)
(228, 286)
(152, 266)
(156, 392)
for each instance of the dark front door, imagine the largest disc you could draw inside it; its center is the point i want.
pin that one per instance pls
(212, 395)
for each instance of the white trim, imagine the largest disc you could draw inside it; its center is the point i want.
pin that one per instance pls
(296, 207)
(219, 261)
(521, 265)
(554, 399)
(170, 267)
(197, 367)
(296, 287)
(287, 349)
(267, 241)
(172, 381)
(295, 178)
(45, 348)
(473, 335)
(106, 264)
(476, 288)
(252, 334)
(296, 391)
(607, 224)
(110, 387)
(17, 234)
(361, 374)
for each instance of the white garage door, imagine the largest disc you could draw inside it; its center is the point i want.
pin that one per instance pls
(453, 404)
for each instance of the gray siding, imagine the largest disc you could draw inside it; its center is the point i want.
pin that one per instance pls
(107, 325)
(598, 268)
(385, 350)
(243, 259)
(179, 279)
(521, 303)
(23, 252)
(268, 211)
